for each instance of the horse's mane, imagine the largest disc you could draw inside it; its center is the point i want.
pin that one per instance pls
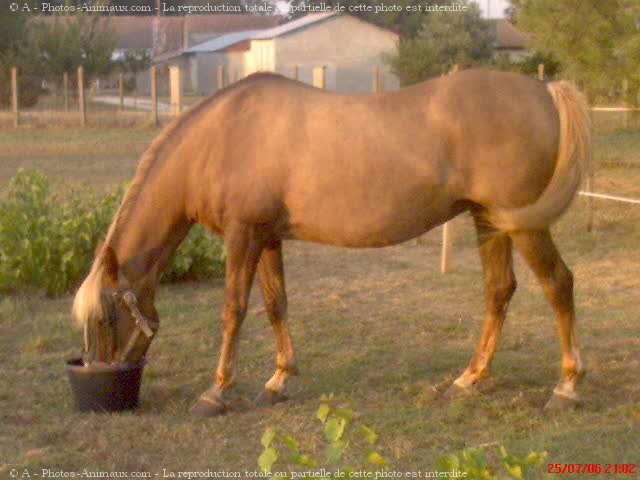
(86, 303)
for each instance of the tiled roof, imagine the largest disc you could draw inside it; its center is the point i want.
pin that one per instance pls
(506, 35)
(225, 23)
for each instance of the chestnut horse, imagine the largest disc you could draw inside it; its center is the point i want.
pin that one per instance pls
(269, 159)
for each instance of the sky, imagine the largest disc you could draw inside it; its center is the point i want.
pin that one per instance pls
(495, 7)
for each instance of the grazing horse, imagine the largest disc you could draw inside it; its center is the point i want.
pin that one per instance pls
(269, 159)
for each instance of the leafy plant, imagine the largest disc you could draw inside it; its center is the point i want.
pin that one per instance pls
(473, 462)
(340, 433)
(47, 240)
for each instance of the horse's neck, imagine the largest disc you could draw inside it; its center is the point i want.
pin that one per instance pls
(149, 231)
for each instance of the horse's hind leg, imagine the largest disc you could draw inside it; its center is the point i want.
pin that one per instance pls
(500, 283)
(541, 255)
(243, 246)
(271, 274)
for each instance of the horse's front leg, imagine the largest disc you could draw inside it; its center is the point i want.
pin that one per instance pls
(271, 273)
(243, 247)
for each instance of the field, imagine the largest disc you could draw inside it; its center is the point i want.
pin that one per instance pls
(382, 330)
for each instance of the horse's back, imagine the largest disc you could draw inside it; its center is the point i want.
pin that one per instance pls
(375, 169)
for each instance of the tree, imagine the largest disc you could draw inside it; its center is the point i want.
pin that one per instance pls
(132, 63)
(444, 39)
(401, 16)
(18, 49)
(68, 42)
(596, 42)
(527, 65)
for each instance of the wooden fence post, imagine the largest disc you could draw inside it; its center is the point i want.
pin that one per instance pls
(541, 72)
(319, 77)
(121, 90)
(220, 77)
(81, 102)
(625, 96)
(377, 79)
(294, 72)
(589, 186)
(154, 95)
(447, 241)
(175, 83)
(14, 96)
(447, 244)
(65, 87)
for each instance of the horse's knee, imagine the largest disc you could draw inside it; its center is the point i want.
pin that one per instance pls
(560, 283)
(500, 293)
(232, 317)
(276, 305)
(564, 278)
(507, 289)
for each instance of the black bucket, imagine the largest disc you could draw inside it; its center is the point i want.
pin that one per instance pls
(105, 388)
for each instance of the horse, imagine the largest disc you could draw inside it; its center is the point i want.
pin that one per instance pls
(269, 159)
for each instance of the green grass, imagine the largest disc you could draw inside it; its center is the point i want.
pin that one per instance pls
(381, 329)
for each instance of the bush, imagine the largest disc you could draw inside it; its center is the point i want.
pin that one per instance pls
(47, 241)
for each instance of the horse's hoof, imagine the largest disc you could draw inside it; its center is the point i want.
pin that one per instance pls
(269, 397)
(456, 391)
(205, 408)
(558, 403)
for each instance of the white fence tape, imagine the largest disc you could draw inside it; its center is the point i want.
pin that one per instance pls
(609, 197)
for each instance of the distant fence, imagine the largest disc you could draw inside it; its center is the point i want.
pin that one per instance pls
(152, 111)
(88, 103)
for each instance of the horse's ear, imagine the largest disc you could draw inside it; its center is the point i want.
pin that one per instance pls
(110, 262)
(99, 246)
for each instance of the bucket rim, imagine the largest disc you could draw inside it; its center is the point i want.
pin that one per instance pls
(76, 365)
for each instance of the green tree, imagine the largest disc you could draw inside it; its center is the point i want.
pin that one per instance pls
(527, 65)
(132, 63)
(18, 49)
(68, 42)
(401, 16)
(597, 43)
(444, 39)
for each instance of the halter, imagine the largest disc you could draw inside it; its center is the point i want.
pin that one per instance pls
(143, 324)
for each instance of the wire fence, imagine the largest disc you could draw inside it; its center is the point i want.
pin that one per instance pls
(149, 97)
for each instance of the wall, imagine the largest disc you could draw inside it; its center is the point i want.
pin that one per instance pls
(348, 47)
(207, 68)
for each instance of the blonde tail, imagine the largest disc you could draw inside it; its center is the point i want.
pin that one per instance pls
(574, 158)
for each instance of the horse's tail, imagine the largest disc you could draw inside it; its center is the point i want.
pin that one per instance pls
(574, 157)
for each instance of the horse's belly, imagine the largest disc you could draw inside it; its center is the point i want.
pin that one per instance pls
(375, 225)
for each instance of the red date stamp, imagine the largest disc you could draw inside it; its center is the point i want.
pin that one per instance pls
(592, 468)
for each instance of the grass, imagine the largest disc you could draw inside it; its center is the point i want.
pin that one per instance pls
(103, 157)
(381, 329)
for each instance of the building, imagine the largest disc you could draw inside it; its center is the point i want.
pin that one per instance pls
(508, 40)
(164, 36)
(348, 48)
(160, 36)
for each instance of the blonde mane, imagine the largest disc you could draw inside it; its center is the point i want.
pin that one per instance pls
(86, 303)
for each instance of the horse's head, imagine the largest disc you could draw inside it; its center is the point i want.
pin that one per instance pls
(119, 320)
